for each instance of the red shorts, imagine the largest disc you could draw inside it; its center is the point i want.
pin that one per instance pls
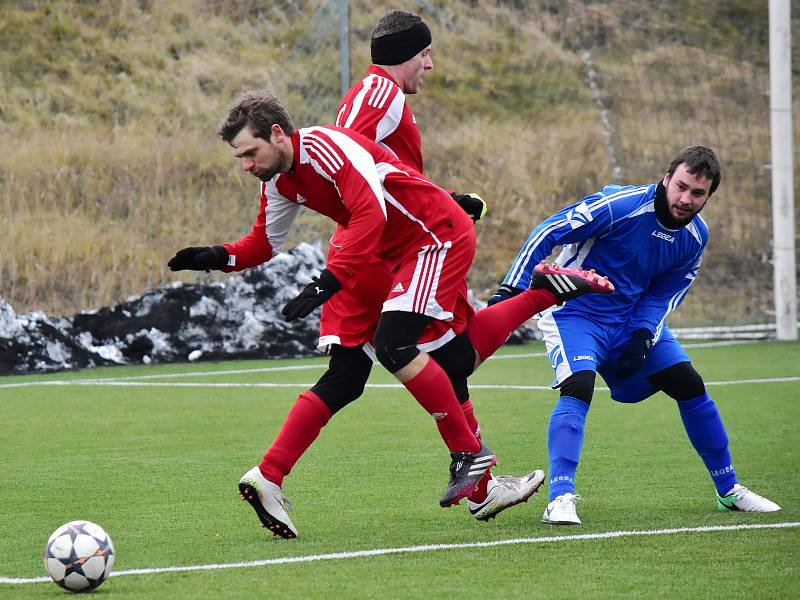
(434, 283)
(349, 318)
(438, 333)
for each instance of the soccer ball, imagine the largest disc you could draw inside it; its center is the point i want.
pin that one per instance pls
(79, 556)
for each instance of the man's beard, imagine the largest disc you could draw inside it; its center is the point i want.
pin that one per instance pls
(666, 218)
(267, 175)
(678, 222)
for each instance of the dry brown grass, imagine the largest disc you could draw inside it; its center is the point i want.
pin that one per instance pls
(109, 161)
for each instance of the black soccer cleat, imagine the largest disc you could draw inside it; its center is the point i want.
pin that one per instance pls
(466, 470)
(566, 284)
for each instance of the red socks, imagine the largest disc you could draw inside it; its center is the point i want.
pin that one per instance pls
(302, 425)
(433, 390)
(472, 422)
(480, 492)
(489, 328)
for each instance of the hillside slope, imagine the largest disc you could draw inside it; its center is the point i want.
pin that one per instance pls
(109, 160)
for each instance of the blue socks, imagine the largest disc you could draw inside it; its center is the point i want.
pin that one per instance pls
(564, 441)
(700, 419)
(707, 434)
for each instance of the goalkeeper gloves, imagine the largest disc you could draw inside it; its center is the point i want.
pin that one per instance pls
(633, 354)
(472, 204)
(203, 258)
(313, 295)
(504, 292)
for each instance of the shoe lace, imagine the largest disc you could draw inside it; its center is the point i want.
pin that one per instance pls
(740, 492)
(569, 499)
(460, 460)
(508, 481)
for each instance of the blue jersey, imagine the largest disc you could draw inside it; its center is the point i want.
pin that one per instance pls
(616, 232)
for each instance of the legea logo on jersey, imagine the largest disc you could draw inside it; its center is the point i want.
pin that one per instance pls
(580, 215)
(583, 357)
(663, 236)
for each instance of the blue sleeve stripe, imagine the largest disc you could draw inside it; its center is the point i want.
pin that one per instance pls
(673, 303)
(623, 193)
(692, 228)
(519, 267)
(522, 264)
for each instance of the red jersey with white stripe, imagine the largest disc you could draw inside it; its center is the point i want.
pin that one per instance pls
(382, 206)
(278, 205)
(385, 211)
(376, 108)
(393, 210)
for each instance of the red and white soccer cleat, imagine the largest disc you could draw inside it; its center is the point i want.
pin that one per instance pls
(566, 284)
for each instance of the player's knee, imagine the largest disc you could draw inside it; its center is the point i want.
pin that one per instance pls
(680, 381)
(394, 357)
(579, 385)
(345, 379)
(396, 338)
(338, 393)
(457, 358)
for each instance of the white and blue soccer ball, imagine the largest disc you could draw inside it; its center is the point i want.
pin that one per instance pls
(79, 556)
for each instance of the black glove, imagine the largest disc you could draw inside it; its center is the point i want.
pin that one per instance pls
(472, 204)
(504, 292)
(313, 295)
(633, 354)
(203, 258)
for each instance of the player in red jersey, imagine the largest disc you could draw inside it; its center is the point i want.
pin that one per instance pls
(389, 211)
(401, 47)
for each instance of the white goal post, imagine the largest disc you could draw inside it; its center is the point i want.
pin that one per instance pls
(783, 214)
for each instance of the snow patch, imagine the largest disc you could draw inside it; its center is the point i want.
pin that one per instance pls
(179, 322)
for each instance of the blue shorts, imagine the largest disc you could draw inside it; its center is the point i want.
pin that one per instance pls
(577, 343)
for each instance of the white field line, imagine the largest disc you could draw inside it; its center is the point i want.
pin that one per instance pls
(298, 368)
(424, 548)
(688, 346)
(306, 385)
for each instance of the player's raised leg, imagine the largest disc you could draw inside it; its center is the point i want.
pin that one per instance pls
(490, 327)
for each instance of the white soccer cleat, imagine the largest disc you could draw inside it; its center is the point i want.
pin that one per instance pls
(504, 492)
(561, 511)
(268, 501)
(742, 499)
